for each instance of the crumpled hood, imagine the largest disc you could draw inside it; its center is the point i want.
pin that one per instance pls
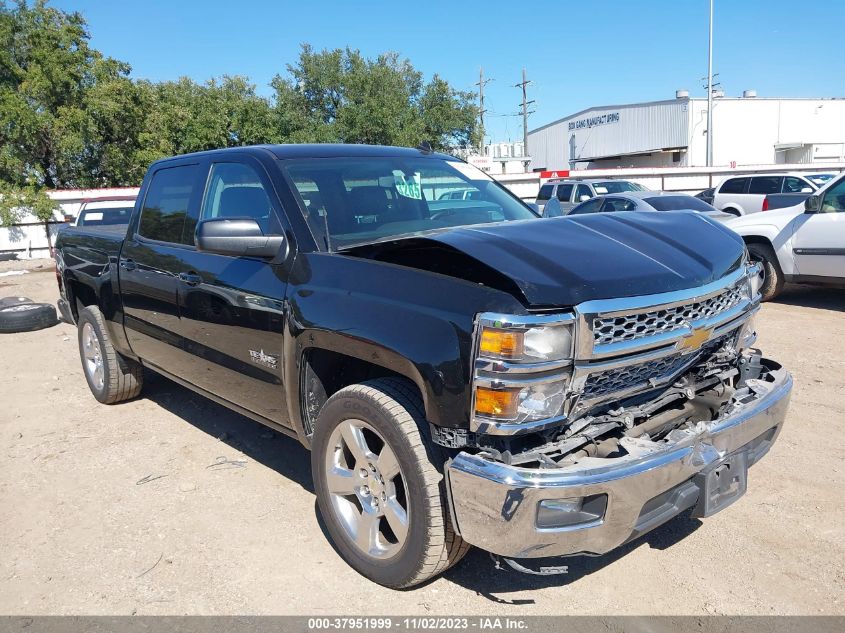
(564, 261)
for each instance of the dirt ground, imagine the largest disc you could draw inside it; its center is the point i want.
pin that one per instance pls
(171, 504)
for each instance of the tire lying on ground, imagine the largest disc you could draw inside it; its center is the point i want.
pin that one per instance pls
(26, 317)
(14, 301)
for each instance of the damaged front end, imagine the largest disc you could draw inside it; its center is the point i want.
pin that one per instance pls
(661, 407)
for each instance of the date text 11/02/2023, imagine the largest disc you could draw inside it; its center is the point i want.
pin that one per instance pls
(483, 623)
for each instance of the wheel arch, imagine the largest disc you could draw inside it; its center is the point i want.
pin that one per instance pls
(323, 371)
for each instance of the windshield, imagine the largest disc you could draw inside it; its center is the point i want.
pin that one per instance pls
(678, 203)
(617, 186)
(352, 201)
(105, 217)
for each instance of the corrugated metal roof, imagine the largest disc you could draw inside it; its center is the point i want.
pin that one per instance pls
(678, 100)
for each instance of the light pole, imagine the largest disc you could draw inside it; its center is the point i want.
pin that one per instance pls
(710, 91)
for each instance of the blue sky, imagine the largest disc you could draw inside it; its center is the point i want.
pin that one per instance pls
(578, 54)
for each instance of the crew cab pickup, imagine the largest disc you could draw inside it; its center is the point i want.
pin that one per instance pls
(804, 243)
(463, 372)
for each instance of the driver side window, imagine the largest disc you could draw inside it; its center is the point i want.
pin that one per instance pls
(235, 190)
(834, 198)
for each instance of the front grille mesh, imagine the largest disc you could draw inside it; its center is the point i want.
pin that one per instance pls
(611, 381)
(607, 330)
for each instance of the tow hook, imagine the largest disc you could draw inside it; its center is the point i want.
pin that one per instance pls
(552, 570)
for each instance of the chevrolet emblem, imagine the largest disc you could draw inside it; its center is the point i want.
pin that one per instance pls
(695, 339)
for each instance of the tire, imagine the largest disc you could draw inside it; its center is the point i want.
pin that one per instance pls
(387, 414)
(27, 317)
(773, 279)
(111, 377)
(14, 301)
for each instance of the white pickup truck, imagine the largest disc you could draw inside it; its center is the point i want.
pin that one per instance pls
(800, 244)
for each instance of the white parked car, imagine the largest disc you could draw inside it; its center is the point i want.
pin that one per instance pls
(741, 195)
(114, 211)
(803, 244)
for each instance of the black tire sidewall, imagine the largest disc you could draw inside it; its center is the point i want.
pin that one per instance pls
(398, 570)
(6, 302)
(85, 316)
(774, 278)
(37, 316)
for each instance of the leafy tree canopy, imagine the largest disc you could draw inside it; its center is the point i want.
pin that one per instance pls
(71, 117)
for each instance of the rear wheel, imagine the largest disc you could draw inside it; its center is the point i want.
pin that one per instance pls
(111, 376)
(773, 279)
(380, 486)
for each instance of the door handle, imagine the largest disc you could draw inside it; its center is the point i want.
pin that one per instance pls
(127, 264)
(192, 279)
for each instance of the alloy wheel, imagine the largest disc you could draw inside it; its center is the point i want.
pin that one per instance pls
(93, 358)
(367, 490)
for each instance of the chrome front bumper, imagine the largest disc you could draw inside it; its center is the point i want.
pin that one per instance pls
(495, 506)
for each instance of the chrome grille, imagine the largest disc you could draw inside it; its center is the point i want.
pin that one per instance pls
(629, 327)
(656, 372)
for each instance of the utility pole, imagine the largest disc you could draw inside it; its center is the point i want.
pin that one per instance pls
(525, 103)
(710, 91)
(481, 110)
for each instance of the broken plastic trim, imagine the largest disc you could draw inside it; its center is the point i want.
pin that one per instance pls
(550, 570)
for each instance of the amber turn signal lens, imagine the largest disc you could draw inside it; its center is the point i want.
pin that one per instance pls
(501, 343)
(496, 403)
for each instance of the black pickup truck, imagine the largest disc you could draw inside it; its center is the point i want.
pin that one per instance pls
(464, 372)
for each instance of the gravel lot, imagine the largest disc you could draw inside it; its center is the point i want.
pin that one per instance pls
(171, 504)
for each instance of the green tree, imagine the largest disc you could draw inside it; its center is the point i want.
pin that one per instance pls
(184, 116)
(15, 202)
(340, 96)
(72, 117)
(52, 85)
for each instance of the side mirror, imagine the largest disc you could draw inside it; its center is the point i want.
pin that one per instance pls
(237, 237)
(552, 209)
(812, 204)
(583, 197)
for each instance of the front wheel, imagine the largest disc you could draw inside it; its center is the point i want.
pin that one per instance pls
(379, 486)
(773, 280)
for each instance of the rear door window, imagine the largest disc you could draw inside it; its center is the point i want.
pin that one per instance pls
(166, 204)
(545, 193)
(764, 185)
(734, 185)
(564, 192)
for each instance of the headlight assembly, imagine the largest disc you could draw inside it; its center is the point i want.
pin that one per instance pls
(518, 405)
(521, 371)
(521, 341)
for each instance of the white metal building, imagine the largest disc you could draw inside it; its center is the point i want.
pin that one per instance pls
(748, 130)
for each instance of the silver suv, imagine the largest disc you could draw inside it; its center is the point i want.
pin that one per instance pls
(570, 192)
